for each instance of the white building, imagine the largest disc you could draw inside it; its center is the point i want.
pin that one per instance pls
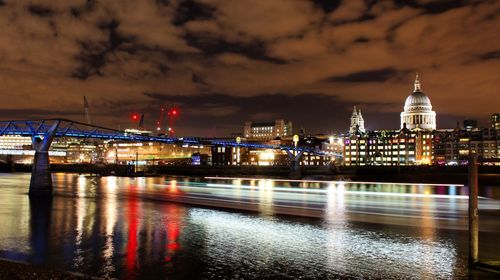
(357, 121)
(418, 112)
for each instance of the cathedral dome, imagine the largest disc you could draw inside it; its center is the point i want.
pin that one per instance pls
(418, 112)
(417, 100)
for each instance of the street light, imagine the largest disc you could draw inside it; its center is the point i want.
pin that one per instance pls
(295, 140)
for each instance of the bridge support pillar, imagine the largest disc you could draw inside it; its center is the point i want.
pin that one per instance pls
(295, 172)
(41, 179)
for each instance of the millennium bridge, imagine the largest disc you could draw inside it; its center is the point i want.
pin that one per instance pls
(43, 132)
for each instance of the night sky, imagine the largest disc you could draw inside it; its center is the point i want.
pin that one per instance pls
(225, 62)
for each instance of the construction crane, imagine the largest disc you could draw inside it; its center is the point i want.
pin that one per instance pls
(88, 119)
(160, 119)
(141, 123)
(171, 115)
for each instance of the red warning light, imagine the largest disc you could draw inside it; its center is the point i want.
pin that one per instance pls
(134, 117)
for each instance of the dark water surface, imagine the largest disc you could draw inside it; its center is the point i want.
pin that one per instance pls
(132, 228)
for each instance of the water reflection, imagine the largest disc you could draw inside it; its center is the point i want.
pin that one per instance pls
(110, 216)
(111, 227)
(132, 210)
(40, 221)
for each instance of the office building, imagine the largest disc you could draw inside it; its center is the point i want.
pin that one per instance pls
(267, 130)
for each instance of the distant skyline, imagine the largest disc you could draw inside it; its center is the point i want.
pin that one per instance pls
(225, 62)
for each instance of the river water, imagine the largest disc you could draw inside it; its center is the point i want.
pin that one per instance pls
(244, 228)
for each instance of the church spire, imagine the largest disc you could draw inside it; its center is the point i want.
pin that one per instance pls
(354, 112)
(417, 84)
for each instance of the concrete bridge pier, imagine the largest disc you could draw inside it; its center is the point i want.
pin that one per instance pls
(41, 179)
(295, 172)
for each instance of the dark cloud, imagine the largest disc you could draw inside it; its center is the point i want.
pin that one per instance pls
(89, 6)
(211, 46)
(433, 6)
(163, 2)
(327, 5)
(379, 75)
(198, 80)
(40, 10)
(93, 56)
(189, 10)
(490, 55)
(361, 40)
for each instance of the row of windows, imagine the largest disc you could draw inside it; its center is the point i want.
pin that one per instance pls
(466, 152)
(402, 159)
(393, 146)
(384, 153)
(472, 145)
(380, 141)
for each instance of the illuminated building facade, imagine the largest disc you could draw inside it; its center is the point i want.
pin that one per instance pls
(418, 112)
(267, 130)
(14, 142)
(153, 153)
(20, 149)
(495, 121)
(258, 157)
(388, 148)
(222, 155)
(452, 147)
(334, 145)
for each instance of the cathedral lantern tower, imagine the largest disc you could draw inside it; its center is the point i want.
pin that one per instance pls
(418, 112)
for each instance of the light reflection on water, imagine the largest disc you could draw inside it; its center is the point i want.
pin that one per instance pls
(105, 227)
(332, 251)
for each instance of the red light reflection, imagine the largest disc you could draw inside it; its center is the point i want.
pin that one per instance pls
(133, 222)
(173, 231)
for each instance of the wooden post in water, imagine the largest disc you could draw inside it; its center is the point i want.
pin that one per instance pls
(473, 211)
(136, 161)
